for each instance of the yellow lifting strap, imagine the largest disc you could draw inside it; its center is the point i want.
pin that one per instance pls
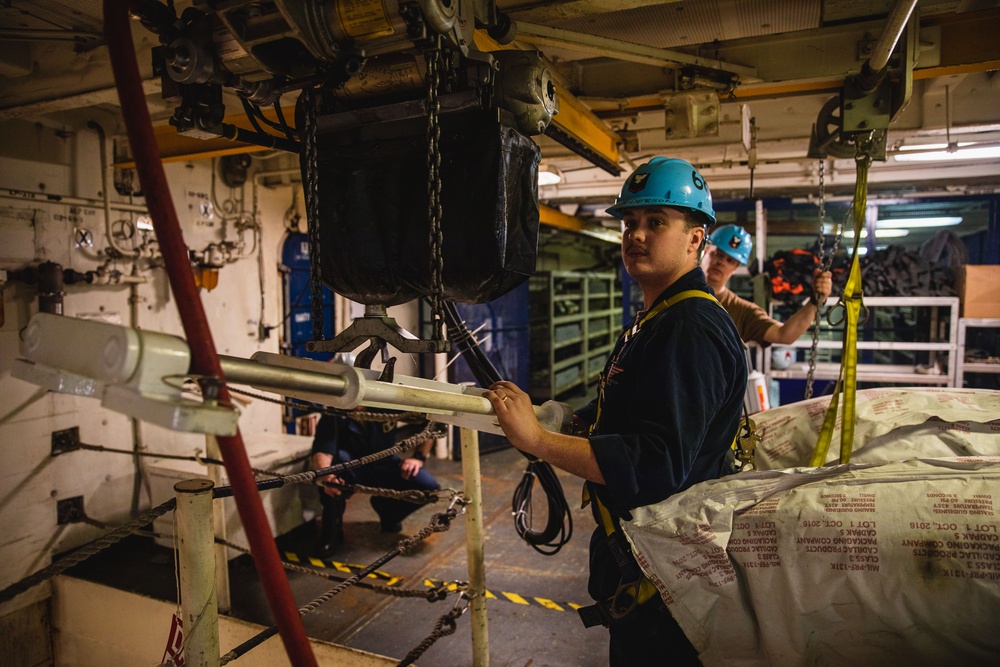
(852, 301)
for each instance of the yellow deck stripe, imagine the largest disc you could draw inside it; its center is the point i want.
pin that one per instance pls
(451, 586)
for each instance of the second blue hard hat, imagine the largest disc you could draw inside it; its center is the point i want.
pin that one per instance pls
(734, 241)
(666, 182)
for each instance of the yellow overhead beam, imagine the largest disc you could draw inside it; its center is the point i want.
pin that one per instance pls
(177, 147)
(575, 126)
(553, 217)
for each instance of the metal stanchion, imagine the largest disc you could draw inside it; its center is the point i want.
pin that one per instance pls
(217, 475)
(199, 611)
(474, 547)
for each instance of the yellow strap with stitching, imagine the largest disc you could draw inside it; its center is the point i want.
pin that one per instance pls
(852, 301)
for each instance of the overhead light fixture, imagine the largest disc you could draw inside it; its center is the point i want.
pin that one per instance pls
(549, 175)
(879, 233)
(915, 223)
(936, 152)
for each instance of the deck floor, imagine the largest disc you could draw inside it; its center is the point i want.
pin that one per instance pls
(531, 621)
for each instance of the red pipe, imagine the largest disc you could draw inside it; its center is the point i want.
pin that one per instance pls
(204, 359)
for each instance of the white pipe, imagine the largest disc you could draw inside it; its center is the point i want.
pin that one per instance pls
(82, 202)
(474, 542)
(894, 25)
(346, 387)
(105, 191)
(196, 547)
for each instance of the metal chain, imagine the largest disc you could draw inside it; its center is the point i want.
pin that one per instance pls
(438, 523)
(821, 241)
(433, 594)
(445, 626)
(433, 57)
(310, 183)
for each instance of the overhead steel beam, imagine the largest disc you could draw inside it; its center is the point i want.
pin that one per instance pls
(177, 147)
(613, 48)
(553, 217)
(575, 126)
(553, 10)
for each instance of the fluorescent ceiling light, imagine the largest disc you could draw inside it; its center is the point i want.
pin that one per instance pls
(935, 152)
(549, 176)
(879, 233)
(914, 223)
(862, 250)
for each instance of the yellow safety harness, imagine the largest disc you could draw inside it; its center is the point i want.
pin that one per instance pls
(635, 588)
(631, 331)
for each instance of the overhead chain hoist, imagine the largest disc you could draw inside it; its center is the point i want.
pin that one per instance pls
(390, 89)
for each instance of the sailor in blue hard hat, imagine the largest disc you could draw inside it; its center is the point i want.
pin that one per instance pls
(657, 193)
(729, 249)
(667, 407)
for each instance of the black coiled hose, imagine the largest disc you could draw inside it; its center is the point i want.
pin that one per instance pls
(559, 527)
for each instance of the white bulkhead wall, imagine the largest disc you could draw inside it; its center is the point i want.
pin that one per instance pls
(46, 164)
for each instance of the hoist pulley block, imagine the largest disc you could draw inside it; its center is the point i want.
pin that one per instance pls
(374, 225)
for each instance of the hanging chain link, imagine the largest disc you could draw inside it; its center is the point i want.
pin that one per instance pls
(821, 245)
(311, 186)
(826, 261)
(433, 57)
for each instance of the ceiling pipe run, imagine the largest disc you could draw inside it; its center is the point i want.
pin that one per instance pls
(204, 358)
(873, 71)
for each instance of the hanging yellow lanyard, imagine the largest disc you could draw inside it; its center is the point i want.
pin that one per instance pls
(852, 301)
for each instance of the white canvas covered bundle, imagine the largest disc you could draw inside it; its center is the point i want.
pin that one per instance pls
(891, 424)
(862, 564)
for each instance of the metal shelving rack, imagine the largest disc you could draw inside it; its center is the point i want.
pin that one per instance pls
(961, 365)
(574, 320)
(944, 329)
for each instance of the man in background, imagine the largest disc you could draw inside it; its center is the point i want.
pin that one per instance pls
(729, 249)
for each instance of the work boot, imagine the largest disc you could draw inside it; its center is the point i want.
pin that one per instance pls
(329, 541)
(331, 534)
(388, 512)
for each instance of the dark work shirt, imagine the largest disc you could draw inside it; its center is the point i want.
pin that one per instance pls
(359, 438)
(671, 408)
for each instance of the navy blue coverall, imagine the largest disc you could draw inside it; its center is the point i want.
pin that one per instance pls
(673, 396)
(346, 439)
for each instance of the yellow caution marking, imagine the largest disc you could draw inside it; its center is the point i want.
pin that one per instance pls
(451, 586)
(348, 568)
(548, 604)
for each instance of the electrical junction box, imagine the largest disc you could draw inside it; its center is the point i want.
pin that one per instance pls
(978, 287)
(283, 506)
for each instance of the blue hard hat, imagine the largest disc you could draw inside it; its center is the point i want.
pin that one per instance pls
(666, 182)
(734, 241)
